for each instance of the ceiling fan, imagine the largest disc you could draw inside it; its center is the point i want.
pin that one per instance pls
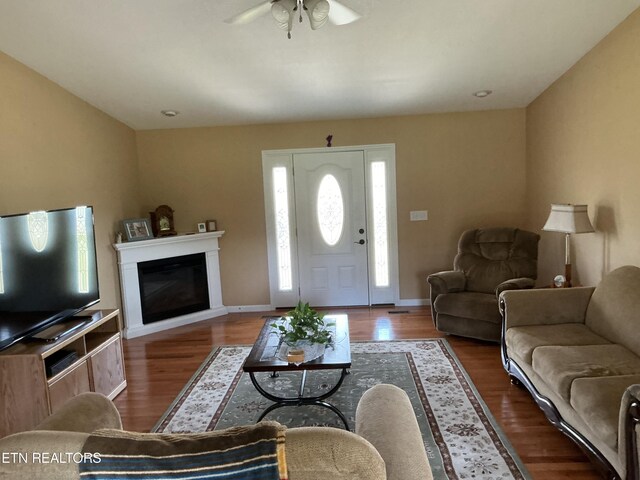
(284, 11)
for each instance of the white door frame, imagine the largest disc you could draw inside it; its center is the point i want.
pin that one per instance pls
(283, 159)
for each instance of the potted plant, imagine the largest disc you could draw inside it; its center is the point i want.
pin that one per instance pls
(305, 332)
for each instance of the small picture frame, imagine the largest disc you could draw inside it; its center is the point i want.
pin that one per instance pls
(137, 229)
(202, 228)
(211, 225)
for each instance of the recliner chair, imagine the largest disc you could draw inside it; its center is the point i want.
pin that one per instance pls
(464, 300)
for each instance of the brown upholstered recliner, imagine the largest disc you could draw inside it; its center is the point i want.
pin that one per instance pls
(464, 300)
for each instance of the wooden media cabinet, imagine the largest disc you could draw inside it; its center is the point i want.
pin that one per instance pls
(30, 392)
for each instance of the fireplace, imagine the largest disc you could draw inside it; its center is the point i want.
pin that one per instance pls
(173, 286)
(168, 282)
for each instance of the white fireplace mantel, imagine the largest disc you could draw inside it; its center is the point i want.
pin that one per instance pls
(132, 253)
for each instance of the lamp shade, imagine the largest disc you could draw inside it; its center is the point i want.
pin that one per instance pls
(283, 12)
(568, 218)
(318, 12)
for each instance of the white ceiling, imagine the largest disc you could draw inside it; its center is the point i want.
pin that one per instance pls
(133, 58)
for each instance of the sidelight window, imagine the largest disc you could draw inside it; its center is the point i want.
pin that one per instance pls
(380, 223)
(283, 241)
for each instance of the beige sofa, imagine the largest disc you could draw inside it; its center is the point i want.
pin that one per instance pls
(577, 351)
(387, 443)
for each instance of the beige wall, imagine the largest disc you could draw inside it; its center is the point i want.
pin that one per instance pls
(466, 169)
(57, 151)
(583, 146)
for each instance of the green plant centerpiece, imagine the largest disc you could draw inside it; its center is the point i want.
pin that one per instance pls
(305, 334)
(304, 325)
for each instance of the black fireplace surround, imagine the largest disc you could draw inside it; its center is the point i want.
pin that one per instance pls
(170, 287)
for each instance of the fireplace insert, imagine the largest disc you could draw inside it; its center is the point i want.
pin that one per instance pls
(170, 287)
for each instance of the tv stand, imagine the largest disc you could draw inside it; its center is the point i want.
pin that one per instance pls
(59, 330)
(28, 394)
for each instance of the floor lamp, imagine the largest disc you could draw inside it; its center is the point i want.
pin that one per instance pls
(568, 219)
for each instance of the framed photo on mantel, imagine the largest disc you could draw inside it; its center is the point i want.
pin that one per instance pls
(211, 225)
(137, 229)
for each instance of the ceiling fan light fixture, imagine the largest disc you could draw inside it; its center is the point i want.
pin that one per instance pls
(284, 11)
(318, 12)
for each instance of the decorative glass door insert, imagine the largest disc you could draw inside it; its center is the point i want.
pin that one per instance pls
(330, 210)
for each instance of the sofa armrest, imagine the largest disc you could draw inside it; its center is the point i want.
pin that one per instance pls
(31, 455)
(63, 433)
(545, 306)
(385, 418)
(629, 432)
(85, 412)
(515, 284)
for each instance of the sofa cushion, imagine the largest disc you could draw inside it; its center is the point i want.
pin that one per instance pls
(320, 452)
(559, 366)
(613, 309)
(522, 341)
(597, 401)
(480, 306)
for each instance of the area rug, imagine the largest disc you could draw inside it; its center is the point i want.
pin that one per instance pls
(461, 437)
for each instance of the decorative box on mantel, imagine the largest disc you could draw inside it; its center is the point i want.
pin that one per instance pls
(170, 281)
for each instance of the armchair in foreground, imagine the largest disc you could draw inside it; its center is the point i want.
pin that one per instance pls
(489, 261)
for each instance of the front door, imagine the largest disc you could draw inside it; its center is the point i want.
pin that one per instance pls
(331, 226)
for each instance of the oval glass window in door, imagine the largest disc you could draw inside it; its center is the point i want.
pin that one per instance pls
(330, 210)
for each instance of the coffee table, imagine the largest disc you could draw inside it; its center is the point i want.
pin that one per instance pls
(263, 358)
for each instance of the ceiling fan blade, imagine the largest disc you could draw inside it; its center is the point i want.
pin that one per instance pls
(340, 14)
(250, 14)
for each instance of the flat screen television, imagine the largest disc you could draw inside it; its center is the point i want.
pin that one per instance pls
(48, 270)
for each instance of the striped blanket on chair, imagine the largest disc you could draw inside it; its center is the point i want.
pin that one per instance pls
(241, 453)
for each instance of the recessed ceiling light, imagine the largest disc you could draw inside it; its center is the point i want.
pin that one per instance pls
(482, 93)
(170, 113)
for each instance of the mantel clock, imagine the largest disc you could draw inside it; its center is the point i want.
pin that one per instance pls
(162, 221)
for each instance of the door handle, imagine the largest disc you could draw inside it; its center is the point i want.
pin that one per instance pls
(360, 242)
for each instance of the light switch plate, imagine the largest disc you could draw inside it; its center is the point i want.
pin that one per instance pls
(418, 215)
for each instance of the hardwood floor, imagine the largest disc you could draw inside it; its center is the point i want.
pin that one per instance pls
(159, 365)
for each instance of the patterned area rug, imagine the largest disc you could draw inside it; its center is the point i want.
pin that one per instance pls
(462, 439)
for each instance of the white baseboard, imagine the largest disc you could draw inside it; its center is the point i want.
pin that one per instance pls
(142, 329)
(413, 302)
(407, 302)
(250, 308)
